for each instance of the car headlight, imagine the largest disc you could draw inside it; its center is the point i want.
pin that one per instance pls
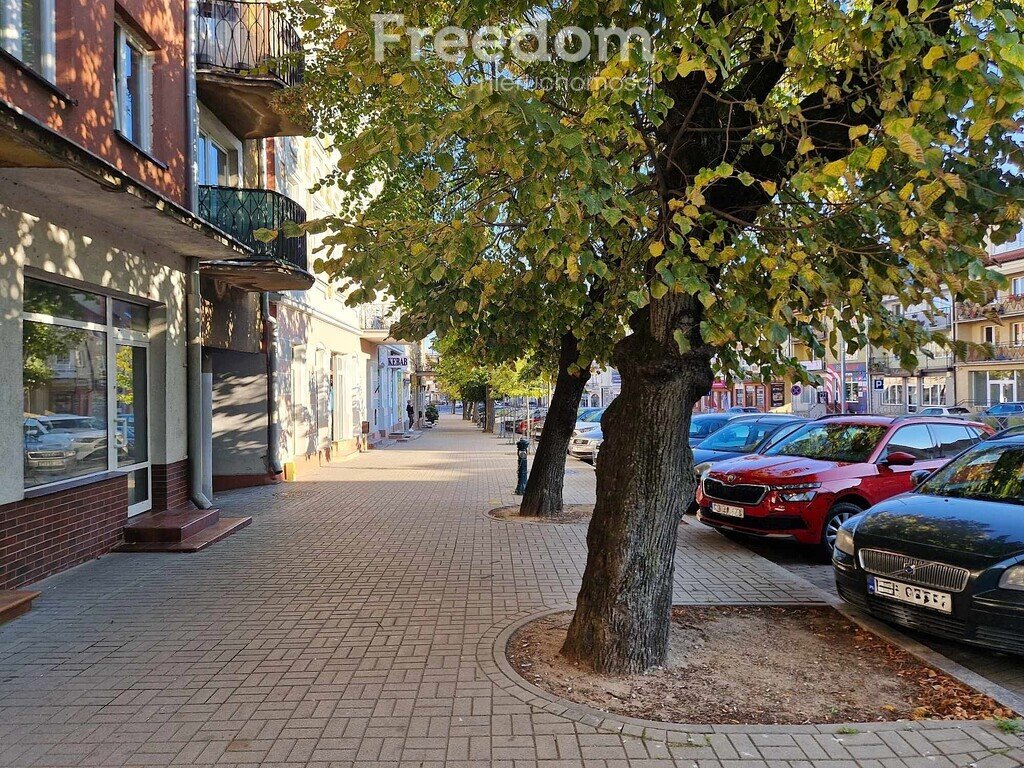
(844, 542)
(798, 496)
(1013, 578)
(701, 468)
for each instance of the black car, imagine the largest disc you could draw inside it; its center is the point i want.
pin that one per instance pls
(947, 558)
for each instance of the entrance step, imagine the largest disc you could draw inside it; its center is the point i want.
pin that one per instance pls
(14, 602)
(169, 526)
(179, 530)
(220, 529)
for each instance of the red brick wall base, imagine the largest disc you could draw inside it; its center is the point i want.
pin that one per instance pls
(170, 485)
(47, 534)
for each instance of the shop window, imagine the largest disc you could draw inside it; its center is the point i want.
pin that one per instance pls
(133, 88)
(64, 375)
(85, 384)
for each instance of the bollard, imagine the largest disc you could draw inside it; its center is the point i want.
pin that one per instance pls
(522, 446)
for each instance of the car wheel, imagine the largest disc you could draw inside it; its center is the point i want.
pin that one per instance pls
(838, 515)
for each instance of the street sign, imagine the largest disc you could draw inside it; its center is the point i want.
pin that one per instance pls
(878, 384)
(796, 390)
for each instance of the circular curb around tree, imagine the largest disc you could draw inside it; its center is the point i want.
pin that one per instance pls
(516, 520)
(491, 656)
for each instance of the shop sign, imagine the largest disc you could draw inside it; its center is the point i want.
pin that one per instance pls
(778, 394)
(398, 361)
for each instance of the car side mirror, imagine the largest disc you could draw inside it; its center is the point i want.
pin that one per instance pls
(918, 476)
(899, 459)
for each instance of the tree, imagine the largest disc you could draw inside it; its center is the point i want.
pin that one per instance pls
(769, 170)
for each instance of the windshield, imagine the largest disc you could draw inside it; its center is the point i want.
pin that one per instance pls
(739, 436)
(702, 426)
(850, 443)
(988, 472)
(591, 415)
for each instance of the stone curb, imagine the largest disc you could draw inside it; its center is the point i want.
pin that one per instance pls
(492, 660)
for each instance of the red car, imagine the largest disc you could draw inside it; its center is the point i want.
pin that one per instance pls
(806, 485)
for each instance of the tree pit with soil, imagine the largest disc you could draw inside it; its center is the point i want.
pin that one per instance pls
(571, 513)
(756, 665)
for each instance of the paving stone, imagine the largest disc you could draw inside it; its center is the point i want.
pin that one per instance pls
(352, 625)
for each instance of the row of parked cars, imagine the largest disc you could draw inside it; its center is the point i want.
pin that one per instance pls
(922, 516)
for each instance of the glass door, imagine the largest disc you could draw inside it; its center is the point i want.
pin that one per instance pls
(1000, 391)
(131, 422)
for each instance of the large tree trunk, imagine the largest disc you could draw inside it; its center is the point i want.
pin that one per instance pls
(644, 481)
(489, 413)
(543, 496)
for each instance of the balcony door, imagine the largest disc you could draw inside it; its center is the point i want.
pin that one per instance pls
(218, 164)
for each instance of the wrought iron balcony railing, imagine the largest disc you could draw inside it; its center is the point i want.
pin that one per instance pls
(248, 38)
(377, 317)
(998, 352)
(1005, 306)
(241, 212)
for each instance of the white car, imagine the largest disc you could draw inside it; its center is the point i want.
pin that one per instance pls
(586, 446)
(590, 421)
(88, 434)
(954, 411)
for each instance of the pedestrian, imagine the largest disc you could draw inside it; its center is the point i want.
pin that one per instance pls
(411, 411)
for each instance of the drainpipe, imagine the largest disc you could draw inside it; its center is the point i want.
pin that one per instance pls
(196, 449)
(270, 340)
(191, 99)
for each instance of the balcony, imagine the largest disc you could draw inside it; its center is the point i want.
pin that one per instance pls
(246, 53)
(1003, 307)
(280, 265)
(375, 320)
(997, 353)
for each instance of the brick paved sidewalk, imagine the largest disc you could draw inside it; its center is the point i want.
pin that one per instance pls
(354, 624)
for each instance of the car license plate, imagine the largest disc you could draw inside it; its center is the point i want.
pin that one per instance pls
(908, 593)
(728, 510)
(48, 463)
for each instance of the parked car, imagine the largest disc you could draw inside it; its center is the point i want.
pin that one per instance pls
(956, 411)
(46, 452)
(999, 415)
(948, 558)
(742, 409)
(741, 435)
(703, 425)
(588, 420)
(586, 446)
(806, 485)
(88, 435)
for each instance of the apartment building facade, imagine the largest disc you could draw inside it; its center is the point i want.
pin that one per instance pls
(144, 321)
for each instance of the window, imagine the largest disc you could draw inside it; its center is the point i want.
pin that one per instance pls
(990, 334)
(133, 89)
(29, 34)
(218, 166)
(1017, 334)
(951, 439)
(915, 440)
(85, 384)
(1017, 286)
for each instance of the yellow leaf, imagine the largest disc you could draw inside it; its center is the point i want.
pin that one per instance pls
(935, 53)
(857, 131)
(970, 61)
(461, 306)
(835, 169)
(396, 79)
(805, 145)
(907, 191)
(910, 147)
(877, 156)
(656, 248)
(431, 179)
(769, 187)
